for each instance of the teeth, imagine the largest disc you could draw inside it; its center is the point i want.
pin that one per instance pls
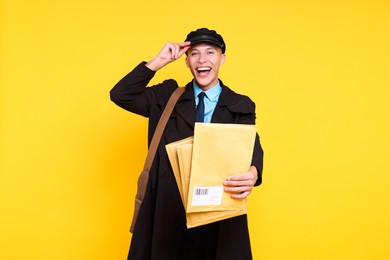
(203, 69)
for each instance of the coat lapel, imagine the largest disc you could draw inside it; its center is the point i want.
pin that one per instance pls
(226, 99)
(185, 106)
(230, 103)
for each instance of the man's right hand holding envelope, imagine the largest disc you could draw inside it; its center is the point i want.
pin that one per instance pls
(241, 185)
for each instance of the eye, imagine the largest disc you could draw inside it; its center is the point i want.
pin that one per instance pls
(194, 54)
(211, 52)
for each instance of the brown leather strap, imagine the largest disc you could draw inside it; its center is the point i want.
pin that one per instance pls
(144, 176)
(160, 128)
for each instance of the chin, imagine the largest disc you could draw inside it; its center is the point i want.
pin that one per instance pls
(204, 83)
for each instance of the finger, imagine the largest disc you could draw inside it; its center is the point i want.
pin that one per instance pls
(167, 50)
(183, 50)
(240, 195)
(239, 183)
(240, 192)
(177, 51)
(184, 44)
(242, 176)
(180, 50)
(238, 189)
(173, 51)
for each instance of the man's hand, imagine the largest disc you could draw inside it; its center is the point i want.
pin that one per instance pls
(241, 185)
(170, 52)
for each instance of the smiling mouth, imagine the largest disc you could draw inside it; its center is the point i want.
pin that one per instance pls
(203, 71)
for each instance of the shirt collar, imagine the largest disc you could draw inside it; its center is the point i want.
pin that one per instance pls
(212, 93)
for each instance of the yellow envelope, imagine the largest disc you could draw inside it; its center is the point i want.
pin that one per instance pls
(219, 151)
(202, 218)
(173, 158)
(184, 152)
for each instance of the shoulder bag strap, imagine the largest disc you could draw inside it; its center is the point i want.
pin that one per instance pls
(144, 176)
(160, 127)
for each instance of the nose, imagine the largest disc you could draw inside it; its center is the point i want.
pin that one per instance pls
(202, 58)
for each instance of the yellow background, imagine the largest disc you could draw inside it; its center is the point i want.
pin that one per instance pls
(319, 72)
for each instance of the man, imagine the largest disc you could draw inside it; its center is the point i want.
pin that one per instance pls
(160, 232)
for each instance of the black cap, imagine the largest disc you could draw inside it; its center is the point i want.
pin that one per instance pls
(206, 35)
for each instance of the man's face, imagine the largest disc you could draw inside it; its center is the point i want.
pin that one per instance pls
(204, 60)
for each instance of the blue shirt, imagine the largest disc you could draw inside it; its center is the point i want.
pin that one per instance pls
(210, 100)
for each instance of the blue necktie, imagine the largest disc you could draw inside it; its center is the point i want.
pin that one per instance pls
(200, 108)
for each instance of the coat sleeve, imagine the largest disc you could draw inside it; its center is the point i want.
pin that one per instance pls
(247, 105)
(258, 154)
(257, 159)
(131, 92)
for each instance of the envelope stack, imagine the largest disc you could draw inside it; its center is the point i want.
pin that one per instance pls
(201, 164)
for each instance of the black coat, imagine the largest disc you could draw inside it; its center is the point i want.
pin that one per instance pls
(161, 221)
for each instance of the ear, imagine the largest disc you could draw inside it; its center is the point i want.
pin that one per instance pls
(223, 59)
(187, 62)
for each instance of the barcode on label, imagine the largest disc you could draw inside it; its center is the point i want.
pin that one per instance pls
(207, 195)
(201, 192)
